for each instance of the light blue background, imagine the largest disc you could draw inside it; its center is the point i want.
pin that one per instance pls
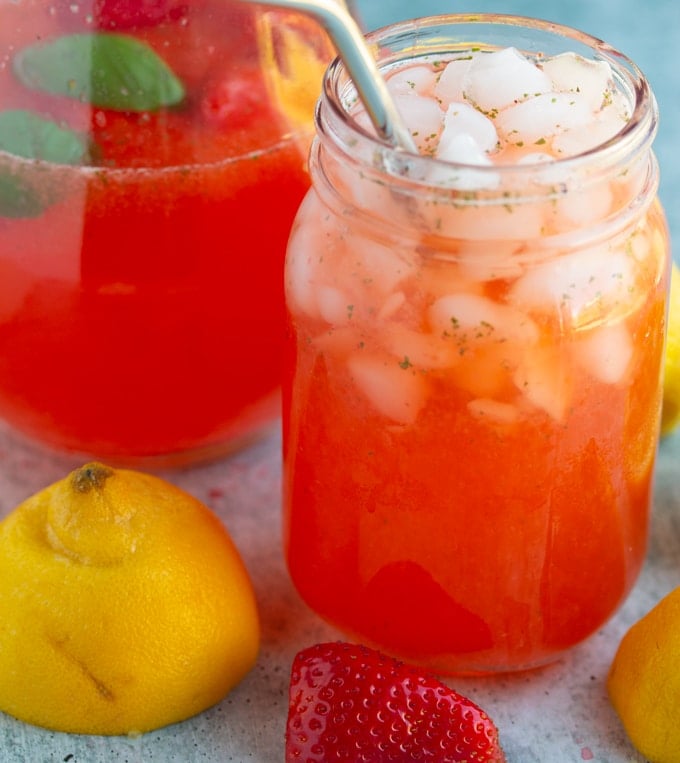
(647, 31)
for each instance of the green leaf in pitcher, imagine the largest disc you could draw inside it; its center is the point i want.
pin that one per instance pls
(107, 70)
(24, 133)
(30, 136)
(19, 199)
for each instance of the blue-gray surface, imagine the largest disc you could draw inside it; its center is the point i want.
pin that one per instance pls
(647, 31)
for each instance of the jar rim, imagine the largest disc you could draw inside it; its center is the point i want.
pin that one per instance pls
(333, 119)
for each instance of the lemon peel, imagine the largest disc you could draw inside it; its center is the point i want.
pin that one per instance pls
(124, 605)
(671, 388)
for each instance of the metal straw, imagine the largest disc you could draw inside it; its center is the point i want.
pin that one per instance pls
(349, 42)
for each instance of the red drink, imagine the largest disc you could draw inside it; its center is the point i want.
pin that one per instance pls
(472, 404)
(140, 286)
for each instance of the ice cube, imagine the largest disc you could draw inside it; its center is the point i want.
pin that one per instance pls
(497, 224)
(423, 117)
(463, 150)
(606, 352)
(617, 103)
(304, 254)
(395, 390)
(582, 287)
(544, 380)
(334, 306)
(463, 119)
(580, 207)
(473, 319)
(550, 171)
(419, 349)
(381, 268)
(570, 72)
(441, 273)
(536, 157)
(503, 77)
(368, 192)
(450, 81)
(542, 116)
(482, 261)
(640, 245)
(414, 80)
(391, 306)
(578, 140)
(484, 370)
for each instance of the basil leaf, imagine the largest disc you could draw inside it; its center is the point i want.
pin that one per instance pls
(30, 136)
(107, 70)
(24, 133)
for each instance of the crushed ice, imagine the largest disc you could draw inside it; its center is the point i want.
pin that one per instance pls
(472, 109)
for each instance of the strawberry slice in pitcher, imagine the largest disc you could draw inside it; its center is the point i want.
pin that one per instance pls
(120, 15)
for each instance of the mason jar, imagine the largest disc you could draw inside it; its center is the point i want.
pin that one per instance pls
(475, 334)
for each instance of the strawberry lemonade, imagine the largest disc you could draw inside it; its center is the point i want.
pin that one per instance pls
(473, 392)
(152, 158)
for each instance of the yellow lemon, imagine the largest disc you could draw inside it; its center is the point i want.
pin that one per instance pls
(124, 605)
(294, 53)
(671, 388)
(644, 682)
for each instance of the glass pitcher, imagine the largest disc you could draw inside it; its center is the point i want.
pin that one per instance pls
(152, 157)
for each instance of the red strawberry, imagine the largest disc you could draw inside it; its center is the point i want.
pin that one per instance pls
(350, 703)
(123, 14)
(234, 99)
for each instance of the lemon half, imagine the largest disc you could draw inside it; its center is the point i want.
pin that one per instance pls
(124, 606)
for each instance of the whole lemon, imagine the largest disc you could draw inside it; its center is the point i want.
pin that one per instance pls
(124, 605)
(644, 682)
(671, 388)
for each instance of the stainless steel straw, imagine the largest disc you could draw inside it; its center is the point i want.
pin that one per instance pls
(349, 42)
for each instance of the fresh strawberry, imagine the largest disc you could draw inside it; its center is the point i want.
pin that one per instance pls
(233, 99)
(351, 703)
(125, 14)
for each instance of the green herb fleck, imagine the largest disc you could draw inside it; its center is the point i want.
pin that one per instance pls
(26, 134)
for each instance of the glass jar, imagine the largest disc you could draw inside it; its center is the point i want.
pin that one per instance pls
(473, 383)
(152, 158)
